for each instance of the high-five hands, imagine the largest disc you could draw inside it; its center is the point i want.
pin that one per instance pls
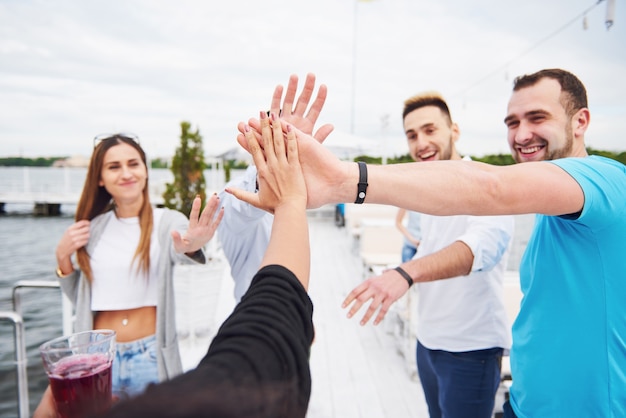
(280, 176)
(323, 171)
(294, 116)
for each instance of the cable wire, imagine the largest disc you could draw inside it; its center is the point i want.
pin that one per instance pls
(541, 41)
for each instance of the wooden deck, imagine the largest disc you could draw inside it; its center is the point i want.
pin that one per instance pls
(357, 371)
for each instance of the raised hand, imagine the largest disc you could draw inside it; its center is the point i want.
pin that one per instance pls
(202, 226)
(324, 173)
(282, 191)
(279, 171)
(295, 116)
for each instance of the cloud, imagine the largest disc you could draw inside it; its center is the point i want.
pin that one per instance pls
(73, 69)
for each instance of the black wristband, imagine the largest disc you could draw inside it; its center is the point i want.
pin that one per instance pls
(362, 186)
(405, 275)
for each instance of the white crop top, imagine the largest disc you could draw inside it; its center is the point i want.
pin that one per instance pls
(117, 284)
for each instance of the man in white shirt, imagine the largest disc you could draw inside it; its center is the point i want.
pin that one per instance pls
(462, 328)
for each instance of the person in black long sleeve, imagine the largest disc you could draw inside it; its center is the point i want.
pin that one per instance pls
(258, 363)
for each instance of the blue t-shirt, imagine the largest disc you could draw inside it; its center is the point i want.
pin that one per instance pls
(569, 339)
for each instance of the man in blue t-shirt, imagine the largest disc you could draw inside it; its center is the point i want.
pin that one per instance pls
(568, 357)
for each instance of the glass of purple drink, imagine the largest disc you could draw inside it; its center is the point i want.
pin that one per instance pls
(79, 370)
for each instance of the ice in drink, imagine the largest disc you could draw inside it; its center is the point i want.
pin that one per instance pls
(81, 385)
(79, 370)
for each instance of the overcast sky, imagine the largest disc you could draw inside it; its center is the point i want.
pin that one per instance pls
(72, 69)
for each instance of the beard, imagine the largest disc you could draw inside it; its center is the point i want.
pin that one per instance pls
(444, 153)
(565, 150)
(553, 154)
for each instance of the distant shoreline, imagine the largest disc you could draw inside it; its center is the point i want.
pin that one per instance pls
(161, 162)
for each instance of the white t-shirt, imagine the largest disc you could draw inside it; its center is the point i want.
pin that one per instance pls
(466, 313)
(117, 283)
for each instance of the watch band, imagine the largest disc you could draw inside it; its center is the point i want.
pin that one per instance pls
(404, 275)
(362, 185)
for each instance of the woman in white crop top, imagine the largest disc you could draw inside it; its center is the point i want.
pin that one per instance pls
(126, 251)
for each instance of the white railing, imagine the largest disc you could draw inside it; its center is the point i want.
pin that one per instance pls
(63, 185)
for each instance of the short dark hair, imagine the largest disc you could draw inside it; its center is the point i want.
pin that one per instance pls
(573, 92)
(429, 98)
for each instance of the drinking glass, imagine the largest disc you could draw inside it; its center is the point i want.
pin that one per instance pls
(79, 370)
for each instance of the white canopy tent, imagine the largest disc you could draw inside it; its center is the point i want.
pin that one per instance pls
(347, 146)
(344, 145)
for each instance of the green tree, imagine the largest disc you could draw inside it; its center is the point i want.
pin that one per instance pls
(188, 168)
(496, 159)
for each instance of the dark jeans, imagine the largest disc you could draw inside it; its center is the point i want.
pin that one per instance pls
(459, 385)
(508, 411)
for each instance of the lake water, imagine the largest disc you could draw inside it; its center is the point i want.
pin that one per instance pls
(27, 247)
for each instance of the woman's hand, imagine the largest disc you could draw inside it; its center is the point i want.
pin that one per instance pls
(75, 237)
(47, 408)
(202, 226)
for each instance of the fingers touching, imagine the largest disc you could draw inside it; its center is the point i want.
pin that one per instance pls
(276, 158)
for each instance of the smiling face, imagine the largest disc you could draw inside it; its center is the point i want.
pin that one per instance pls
(431, 135)
(539, 127)
(123, 174)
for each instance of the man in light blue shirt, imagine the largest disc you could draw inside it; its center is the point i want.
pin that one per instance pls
(244, 232)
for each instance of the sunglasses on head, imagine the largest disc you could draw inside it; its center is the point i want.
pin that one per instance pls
(105, 137)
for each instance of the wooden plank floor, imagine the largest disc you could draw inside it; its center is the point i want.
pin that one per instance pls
(357, 371)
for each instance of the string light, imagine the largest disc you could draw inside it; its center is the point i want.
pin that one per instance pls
(610, 14)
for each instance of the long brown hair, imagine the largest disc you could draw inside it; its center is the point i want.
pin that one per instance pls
(95, 200)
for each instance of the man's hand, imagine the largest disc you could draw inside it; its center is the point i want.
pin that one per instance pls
(383, 290)
(294, 116)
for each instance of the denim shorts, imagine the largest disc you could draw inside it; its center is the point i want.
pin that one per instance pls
(134, 367)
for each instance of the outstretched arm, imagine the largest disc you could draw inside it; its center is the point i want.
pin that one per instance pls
(441, 187)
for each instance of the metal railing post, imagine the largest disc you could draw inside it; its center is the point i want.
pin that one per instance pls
(20, 344)
(20, 361)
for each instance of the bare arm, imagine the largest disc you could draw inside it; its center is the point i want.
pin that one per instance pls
(442, 187)
(473, 188)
